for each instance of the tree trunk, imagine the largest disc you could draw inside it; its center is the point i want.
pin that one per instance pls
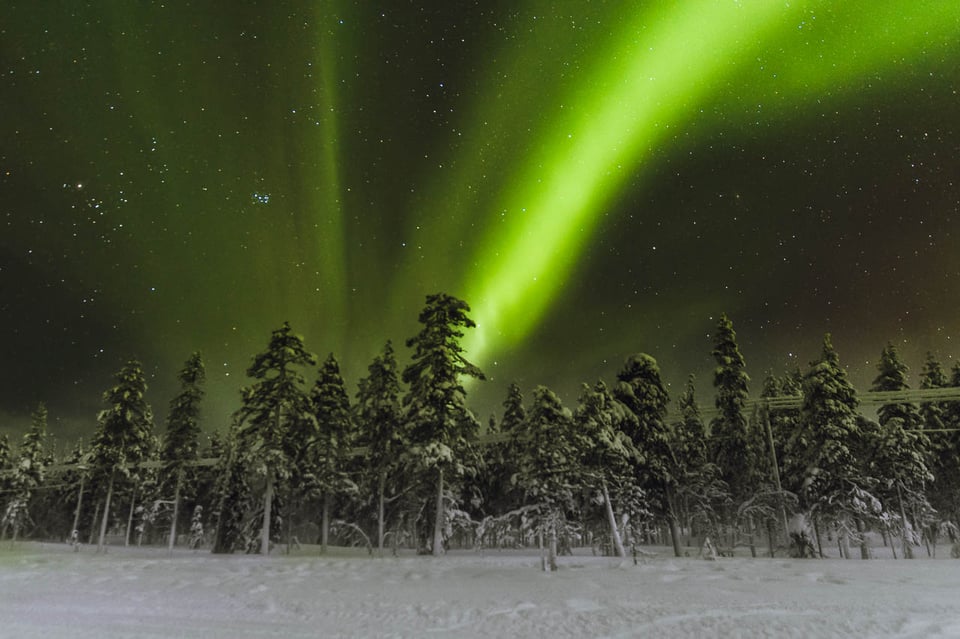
(864, 548)
(176, 511)
(552, 554)
(612, 521)
(381, 489)
(438, 522)
(93, 523)
(133, 502)
(674, 524)
(750, 535)
(267, 504)
(106, 515)
(325, 523)
(816, 533)
(74, 534)
(907, 546)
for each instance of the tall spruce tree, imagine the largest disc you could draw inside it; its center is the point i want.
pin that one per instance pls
(441, 425)
(728, 430)
(275, 405)
(548, 464)
(824, 440)
(335, 435)
(124, 436)
(182, 438)
(943, 460)
(378, 406)
(640, 388)
(607, 453)
(28, 473)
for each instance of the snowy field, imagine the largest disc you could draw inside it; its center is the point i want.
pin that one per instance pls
(48, 591)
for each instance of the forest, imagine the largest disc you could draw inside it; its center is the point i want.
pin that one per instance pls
(404, 463)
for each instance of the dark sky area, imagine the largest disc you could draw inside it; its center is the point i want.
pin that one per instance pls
(594, 178)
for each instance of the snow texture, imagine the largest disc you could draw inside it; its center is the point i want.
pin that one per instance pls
(48, 591)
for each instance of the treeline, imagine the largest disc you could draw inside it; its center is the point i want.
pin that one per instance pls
(401, 464)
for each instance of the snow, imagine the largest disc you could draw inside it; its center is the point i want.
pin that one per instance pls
(48, 591)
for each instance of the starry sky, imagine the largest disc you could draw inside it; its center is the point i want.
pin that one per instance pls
(595, 178)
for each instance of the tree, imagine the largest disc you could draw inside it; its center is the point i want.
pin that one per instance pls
(28, 473)
(548, 464)
(378, 405)
(124, 434)
(441, 425)
(334, 436)
(943, 461)
(893, 377)
(728, 430)
(607, 452)
(641, 389)
(183, 432)
(832, 482)
(274, 406)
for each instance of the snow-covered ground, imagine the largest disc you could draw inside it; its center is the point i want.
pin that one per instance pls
(48, 591)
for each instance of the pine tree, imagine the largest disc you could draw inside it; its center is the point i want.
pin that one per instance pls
(549, 464)
(274, 406)
(823, 442)
(181, 443)
(728, 430)
(607, 452)
(28, 473)
(943, 460)
(435, 403)
(234, 498)
(641, 389)
(893, 377)
(124, 435)
(335, 435)
(378, 405)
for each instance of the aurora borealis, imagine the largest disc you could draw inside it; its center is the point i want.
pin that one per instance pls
(593, 178)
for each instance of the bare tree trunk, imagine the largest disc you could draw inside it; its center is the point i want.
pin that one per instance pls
(106, 514)
(133, 502)
(750, 534)
(176, 511)
(552, 554)
(816, 533)
(325, 523)
(267, 504)
(381, 489)
(674, 523)
(93, 523)
(864, 547)
(907, 546)
(438, 522)
(76, 513)
(612, 521)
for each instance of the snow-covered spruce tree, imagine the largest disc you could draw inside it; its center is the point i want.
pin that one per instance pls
(441, 427)
(233, 495)
(124, 436)
(698, 485)
(6, 476)
(900, 464)
(334, 437)
(182, 440)
(728, 430)
(378, 407)
(943, 460)
(641, 389)
(28, 473)
(500, 495)
(833, 481)
(548, 466)
(274, 406)
(607, 454)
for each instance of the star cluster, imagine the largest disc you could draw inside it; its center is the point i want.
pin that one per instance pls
(595, 179)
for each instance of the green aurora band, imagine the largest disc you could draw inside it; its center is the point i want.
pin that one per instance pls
(660, 73)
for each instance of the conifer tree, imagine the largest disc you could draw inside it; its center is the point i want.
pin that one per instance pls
(549, 463)
(29, 471)
(441, 425)
(728, 430)
(823, 442)
(6, 472)
(502, 495)
(378, 406)
(607, 453)
(893, 377)
(274, 406)
(124, 435)
(335, 435)
(182, 439)
(943, 460)
(234, 498)
(641, 389)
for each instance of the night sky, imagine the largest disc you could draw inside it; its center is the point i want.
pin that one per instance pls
(594, 178)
